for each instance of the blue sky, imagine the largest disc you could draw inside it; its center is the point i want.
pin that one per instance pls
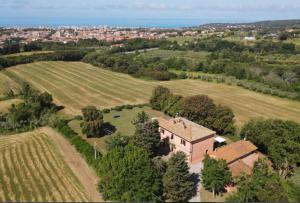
(185, 10)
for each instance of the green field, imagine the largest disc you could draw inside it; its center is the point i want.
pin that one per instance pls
(28, 53)
(76, 85)
(166, 54)
(33, 170)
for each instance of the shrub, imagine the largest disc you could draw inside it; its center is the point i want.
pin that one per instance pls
(128, 106)
(106, 111)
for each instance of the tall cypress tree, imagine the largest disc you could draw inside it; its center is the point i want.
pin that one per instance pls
(177, 181)
(146, 134)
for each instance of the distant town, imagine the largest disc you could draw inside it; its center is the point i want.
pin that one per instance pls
(66, 34)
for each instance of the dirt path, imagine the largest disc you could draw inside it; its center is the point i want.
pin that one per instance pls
(84, 173)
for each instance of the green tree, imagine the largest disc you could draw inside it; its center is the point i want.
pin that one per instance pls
(159, 97)
(117, 141)
(278, 139)
(141, 118)
(147, 136)
(92, 121)
(264, 185)
(215, 175)
(222, 121)
(177, 181)
(127, 174)
(198, 108)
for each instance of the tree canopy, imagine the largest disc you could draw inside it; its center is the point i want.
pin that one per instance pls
(92, 121)
(278, 139)
(146, 134)
(34, 112)
(215, 175)
(127, 174)
(199, 108)
(177, 181)
(264, 185)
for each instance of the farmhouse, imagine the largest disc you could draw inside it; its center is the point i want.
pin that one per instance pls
(239, 156)
(183, 135)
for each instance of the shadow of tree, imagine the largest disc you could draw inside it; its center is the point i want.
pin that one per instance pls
(107, 129)
(195, 179)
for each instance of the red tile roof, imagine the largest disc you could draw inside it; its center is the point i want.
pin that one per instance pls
(185, 129)
(233, 151)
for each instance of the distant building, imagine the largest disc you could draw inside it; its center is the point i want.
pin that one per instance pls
(183, 135)
(251, 38)
(239, 156)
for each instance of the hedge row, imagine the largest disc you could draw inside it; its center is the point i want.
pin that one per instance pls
(261, 88)
(81, 145)
(55, 56)
(127, 106)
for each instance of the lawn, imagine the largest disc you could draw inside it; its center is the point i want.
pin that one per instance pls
(33, 170)
(207, 196)
(121, 120)
(75, 85)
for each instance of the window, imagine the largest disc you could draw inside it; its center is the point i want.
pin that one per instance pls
(162, 131)
(183, 142)
(172, 136)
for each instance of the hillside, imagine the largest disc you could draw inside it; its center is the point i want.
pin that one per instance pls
(267, 23)
(75, 85)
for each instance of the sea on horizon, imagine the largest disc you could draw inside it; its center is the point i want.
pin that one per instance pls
(112, 22)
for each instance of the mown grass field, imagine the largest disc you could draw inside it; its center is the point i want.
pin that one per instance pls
(6, 83)
(76, 85)
(32, 170)
(6, 104)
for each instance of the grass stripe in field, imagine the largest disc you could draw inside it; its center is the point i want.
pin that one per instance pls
(33, 190)
(6, 83)
(44, 85)
(44, 160)
(130, 84)
(33, 170)
(62, 88)
(81, 87)
(35, 179)
(61, 85)
(26, 195)
(105, 85)
(4, 181)
(49, 188)
(15, 191)
(66, 185)
(59, 163)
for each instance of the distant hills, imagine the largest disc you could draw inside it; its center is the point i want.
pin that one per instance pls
(269, 23)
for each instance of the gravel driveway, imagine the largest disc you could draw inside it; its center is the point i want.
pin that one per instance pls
(195, 169)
